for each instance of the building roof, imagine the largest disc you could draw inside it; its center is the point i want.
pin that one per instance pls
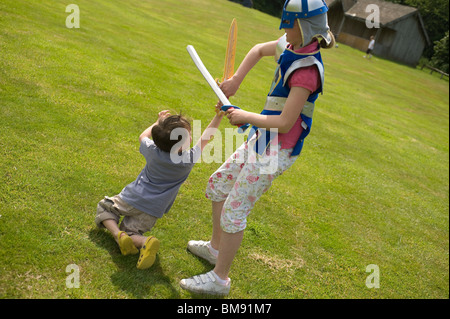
(389, 12)
(346, 4)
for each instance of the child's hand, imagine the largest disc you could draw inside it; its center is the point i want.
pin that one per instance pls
(229, 87)
(236, 116)
(163, 114)
(219, 111)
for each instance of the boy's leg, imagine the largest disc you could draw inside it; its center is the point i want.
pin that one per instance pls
(129, 235)
(138, 240)
(111, 225)
(136, 223)
(149, 246)
(108, 216)
(109, 211)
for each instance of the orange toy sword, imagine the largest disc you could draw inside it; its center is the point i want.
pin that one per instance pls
(228, 69)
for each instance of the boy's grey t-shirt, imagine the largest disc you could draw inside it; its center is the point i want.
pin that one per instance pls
(156, 187)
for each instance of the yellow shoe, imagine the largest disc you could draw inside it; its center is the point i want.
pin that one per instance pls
(126, 244)
(148, 253)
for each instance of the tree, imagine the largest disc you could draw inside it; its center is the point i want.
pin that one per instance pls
(440, 57)
(272, 7)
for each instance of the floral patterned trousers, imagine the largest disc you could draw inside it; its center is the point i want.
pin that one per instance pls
(243, 178)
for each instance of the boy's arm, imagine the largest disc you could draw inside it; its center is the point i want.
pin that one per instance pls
(148, 131)
(209, 131)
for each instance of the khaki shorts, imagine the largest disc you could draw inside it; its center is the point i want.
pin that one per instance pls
(134, 222)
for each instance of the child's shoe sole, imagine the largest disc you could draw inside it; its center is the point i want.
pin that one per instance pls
(148, 253)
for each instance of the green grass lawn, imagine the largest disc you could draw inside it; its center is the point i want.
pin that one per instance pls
(371, 186)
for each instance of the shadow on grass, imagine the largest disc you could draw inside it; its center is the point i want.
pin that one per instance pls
(128, 278)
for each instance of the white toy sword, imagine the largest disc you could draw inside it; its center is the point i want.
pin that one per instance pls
(201, 67)
(212, 83)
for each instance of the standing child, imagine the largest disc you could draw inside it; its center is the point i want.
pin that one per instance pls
(370, 47)
(168, 164)
(236, 186)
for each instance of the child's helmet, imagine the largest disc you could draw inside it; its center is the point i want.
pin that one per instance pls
(312, 18)
(301, 9)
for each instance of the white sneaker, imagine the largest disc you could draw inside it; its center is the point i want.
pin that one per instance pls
(206, 284)
(200, 248)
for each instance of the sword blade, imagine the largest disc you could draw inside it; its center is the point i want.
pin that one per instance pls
(201, 67)
(230, 55)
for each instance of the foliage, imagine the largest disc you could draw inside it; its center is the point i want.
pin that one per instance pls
(441, 57)
(272, 7)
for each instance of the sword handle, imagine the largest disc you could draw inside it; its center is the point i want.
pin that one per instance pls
(241, 127)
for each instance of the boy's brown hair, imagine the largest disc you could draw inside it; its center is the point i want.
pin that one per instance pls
(162, 130)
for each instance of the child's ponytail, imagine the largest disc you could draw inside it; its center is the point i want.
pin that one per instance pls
(331, 44)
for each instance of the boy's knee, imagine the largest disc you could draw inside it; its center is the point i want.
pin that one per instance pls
(105, 204)
(105, 212)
